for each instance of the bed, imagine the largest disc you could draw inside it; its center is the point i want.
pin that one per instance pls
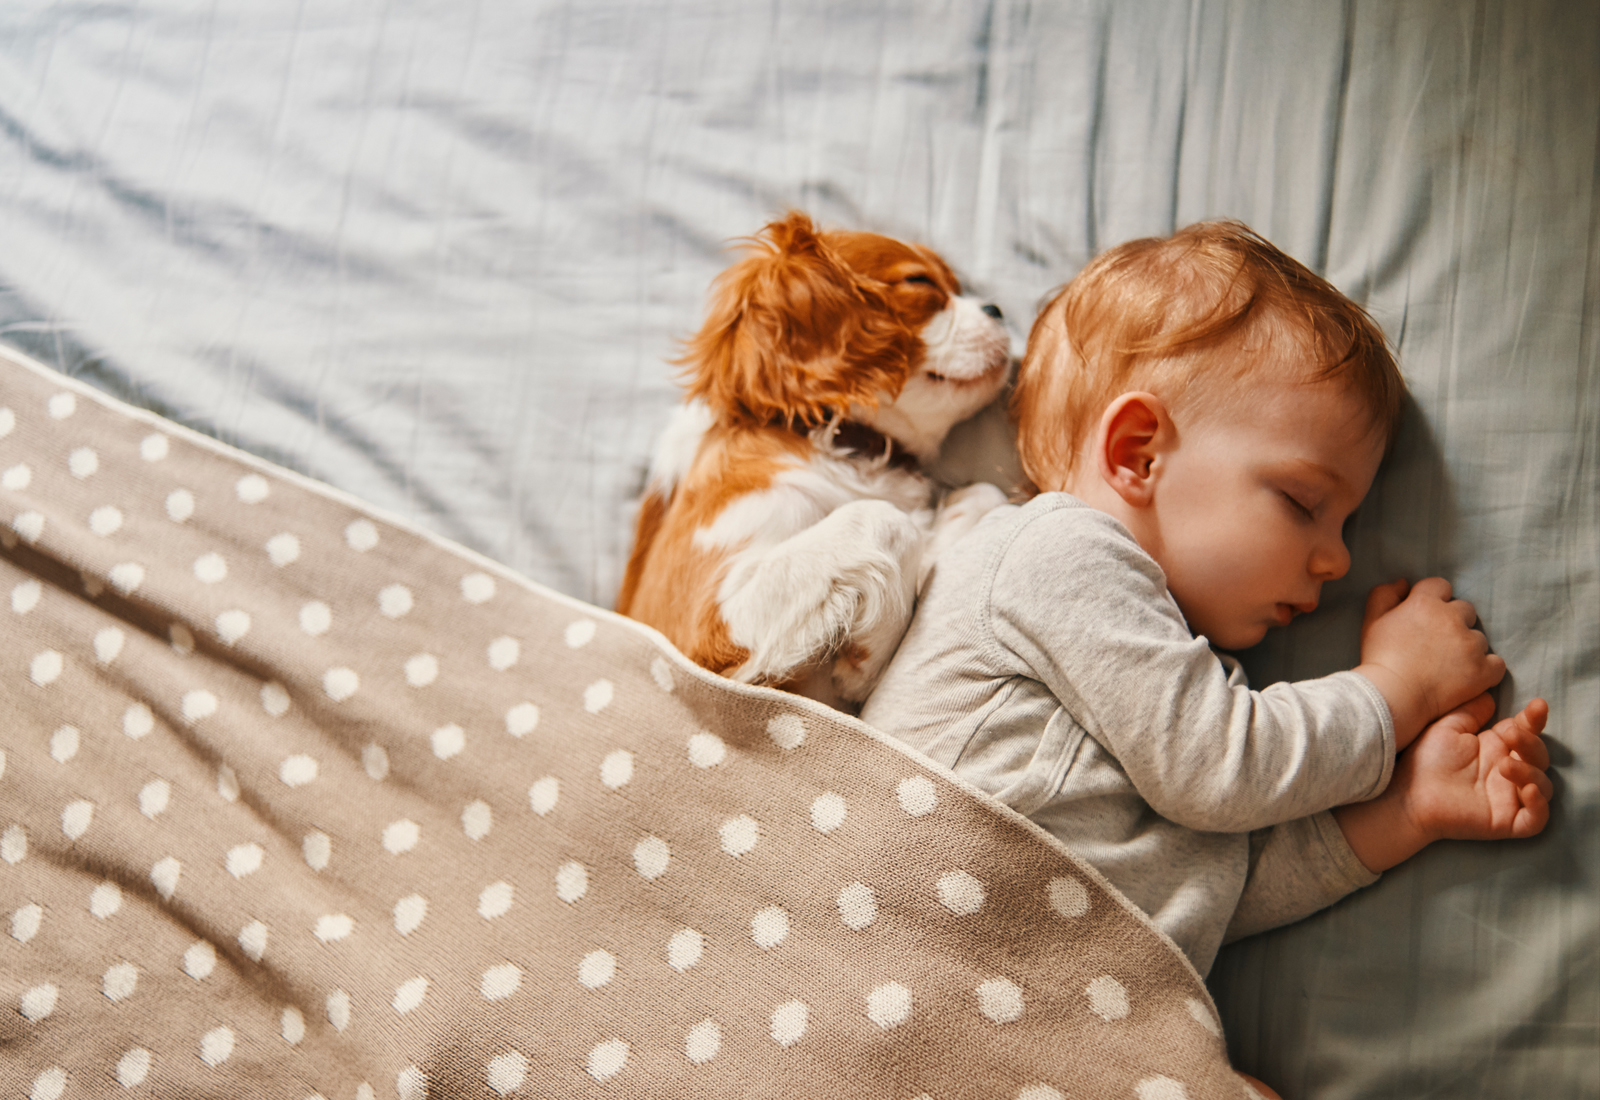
(425, 265)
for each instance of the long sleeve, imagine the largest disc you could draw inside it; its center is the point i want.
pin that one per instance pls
(1295, 869)
(1201, 748)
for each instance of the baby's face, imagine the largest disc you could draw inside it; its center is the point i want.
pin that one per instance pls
(1251, 507)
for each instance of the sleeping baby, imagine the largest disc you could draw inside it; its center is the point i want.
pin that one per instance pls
(1202, 414)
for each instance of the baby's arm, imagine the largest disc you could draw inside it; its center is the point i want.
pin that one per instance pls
(1421, 652)
(1457, 783)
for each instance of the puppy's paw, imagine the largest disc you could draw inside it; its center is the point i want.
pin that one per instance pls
(959, 513)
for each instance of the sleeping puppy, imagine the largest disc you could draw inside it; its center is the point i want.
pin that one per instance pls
(783, 532)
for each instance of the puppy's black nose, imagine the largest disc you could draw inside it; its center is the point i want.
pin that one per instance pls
(993, 310)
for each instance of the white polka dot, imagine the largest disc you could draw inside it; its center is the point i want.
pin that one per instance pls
(503, 653)
(227, 783)
(401, 836)
(180, 505)
(8, 421)
(422, 670)
(181, 638)
(477, 588)
(83, 462)
(580, 633)
(134, 1066)
(108, 644)
(889, 1005)
(410, 995)
(769, 927)
(394, 601)
(292, 1026)
(283, 549)
(960, 893)
(62, 405)
(361, 536)
(105, 521)
(119, 982)
(38, 1002)
(500, 982)
(164, 877)
(137, 721)
(232, 625)
(1000, 999)
(13, 844)
(154, 798)
(739, 835)
(544, 794)
(1108, 998)
(409, 913)
(706, 750)
(25, 922)
(251, 489)
(200, 960)
(253, 940)
(316, 618)
(476, 820)
(617, 768)
(597, 968)
(607, 1059)
(25, 596)
(76, 818)
(1041, 1092)
(522, 719)
(317, 848)
(93, 586)
(154, 447)
(661, 673)
(1203, 1016)
(495, 900)
(827, 812)
(651, 856)
(64, 744)
(1068, 897)
(274, 699)
(788, 1024)
(858, 908)
(787, 731)
(917, 796)
(448, 741)
(49, 1085)
(375, 762)
(298, 770)
(16, 478)
(216, 1046)
(703, 1042)
(210, 568)
(245, 859)
(597, 696)
(506, 1072)
(572, 881)
(411, 1084)
(340, 683)
(338, 1004)
(684, 949)
(45, 667)
(28, 526)
(1160, 1088)
(105, 900)
(198, 704)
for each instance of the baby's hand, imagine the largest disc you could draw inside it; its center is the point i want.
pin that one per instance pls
(1457, 783)
(1464, 785)
(1422, 654)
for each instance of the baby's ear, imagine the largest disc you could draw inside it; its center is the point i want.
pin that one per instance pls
(1133, 432)
(793, 333)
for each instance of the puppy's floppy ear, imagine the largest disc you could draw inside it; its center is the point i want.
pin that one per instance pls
(793, 333)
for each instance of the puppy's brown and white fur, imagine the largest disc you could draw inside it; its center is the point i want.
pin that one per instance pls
(787, 520)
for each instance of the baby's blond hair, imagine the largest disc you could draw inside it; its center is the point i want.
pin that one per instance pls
(1153, 314)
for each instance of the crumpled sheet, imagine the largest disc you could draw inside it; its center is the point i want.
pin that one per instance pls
(439, 256)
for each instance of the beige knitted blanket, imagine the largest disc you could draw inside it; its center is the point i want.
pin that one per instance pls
(296, 801)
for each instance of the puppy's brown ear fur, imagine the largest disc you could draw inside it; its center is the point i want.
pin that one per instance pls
(793, 334)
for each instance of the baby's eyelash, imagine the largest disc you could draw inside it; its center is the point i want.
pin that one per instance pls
(1301, 508)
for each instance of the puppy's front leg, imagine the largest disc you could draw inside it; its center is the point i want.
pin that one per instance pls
(843, 585)
(958, 514)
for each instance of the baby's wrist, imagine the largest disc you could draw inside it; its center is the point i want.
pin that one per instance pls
(1382, 832)
(1405, 708)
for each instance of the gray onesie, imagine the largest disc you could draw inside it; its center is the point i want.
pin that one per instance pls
(1048, 665)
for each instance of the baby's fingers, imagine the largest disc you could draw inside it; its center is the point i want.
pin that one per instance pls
(1520, 734)
(1534, 815)
(1524, 776)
